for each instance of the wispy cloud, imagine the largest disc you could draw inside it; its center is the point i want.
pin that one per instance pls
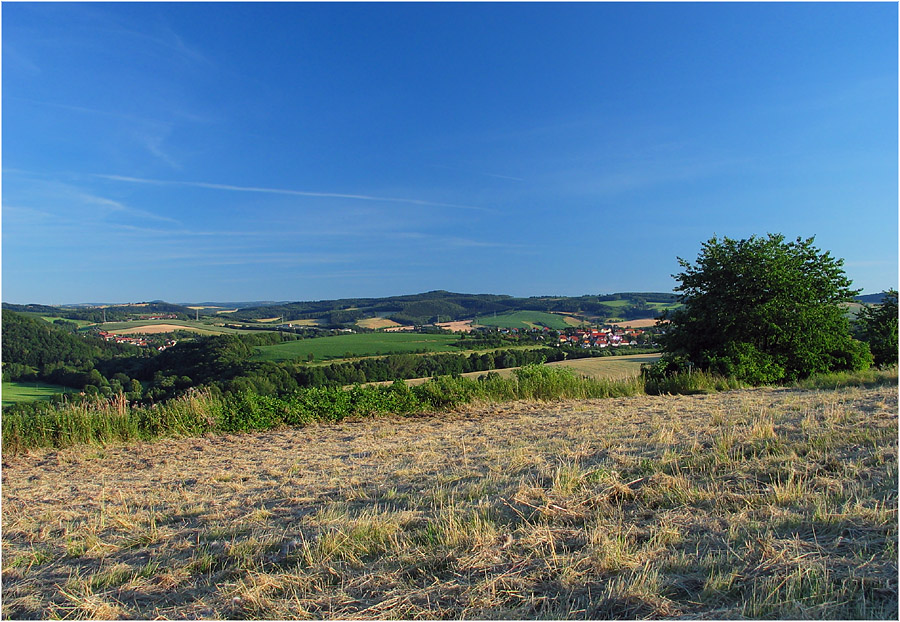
(283, 191)
(87, 110)
(149, 133)
(200, 257)
(116, 206)
(503, 176)
(495, 175)
(14, 57)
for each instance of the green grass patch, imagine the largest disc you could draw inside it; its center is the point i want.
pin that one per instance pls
(200, 412)
(523, 319)
(866, 378)
(51, 319)
(355, 345)
(18, 392)
(663, 306)
(617, 304)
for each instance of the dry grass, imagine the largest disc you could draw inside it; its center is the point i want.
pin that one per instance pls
(762, 504)
(464, 326)
(152, 329)
(644, 323)
(375, 323)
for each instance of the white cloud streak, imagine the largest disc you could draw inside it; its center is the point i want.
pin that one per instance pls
(282, 191)
(116, 206)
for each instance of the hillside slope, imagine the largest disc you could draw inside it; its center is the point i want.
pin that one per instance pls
(761, 503)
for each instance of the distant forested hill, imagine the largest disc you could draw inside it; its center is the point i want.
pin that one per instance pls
(411, 310)
(33, 348)
(871, 299)
(444, 306)
(111, 313)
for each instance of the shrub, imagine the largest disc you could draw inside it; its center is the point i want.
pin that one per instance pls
(763, 310)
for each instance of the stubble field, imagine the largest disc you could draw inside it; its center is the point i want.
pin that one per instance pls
(766, 503)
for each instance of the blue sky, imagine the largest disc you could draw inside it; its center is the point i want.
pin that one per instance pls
(198, 152)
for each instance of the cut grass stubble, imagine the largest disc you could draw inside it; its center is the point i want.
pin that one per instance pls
(767, 503)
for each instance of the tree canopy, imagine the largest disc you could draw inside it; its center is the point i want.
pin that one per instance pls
(763, 310)
(879, 324)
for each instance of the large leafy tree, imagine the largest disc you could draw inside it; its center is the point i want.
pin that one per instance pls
(879, 324)
(764, 310)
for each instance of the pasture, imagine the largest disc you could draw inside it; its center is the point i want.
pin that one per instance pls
(755, 504)
(16, 392)
(600, 368)
(356, 345)
(524, 319)
(51, 319)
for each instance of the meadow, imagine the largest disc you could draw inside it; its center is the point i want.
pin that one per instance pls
(355, 345)
(770, 503)
(524, 319)
(619, 367)
(16, 392)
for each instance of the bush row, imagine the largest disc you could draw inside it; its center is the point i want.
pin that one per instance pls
(202, 411)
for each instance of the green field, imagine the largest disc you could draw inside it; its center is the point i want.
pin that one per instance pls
(346, 346)
(523, 319)
(16, 392)
(51, 319)
(600, 368)
(663, 306)
(615, 304)
(852, 309)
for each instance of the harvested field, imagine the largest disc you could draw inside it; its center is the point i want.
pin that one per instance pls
(374, 323)
(152, 329)
(637, 323)
(457, 327)
(767, 503)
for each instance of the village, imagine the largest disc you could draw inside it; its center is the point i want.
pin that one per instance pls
(583, 337)
(601, 337)
(135, 341)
